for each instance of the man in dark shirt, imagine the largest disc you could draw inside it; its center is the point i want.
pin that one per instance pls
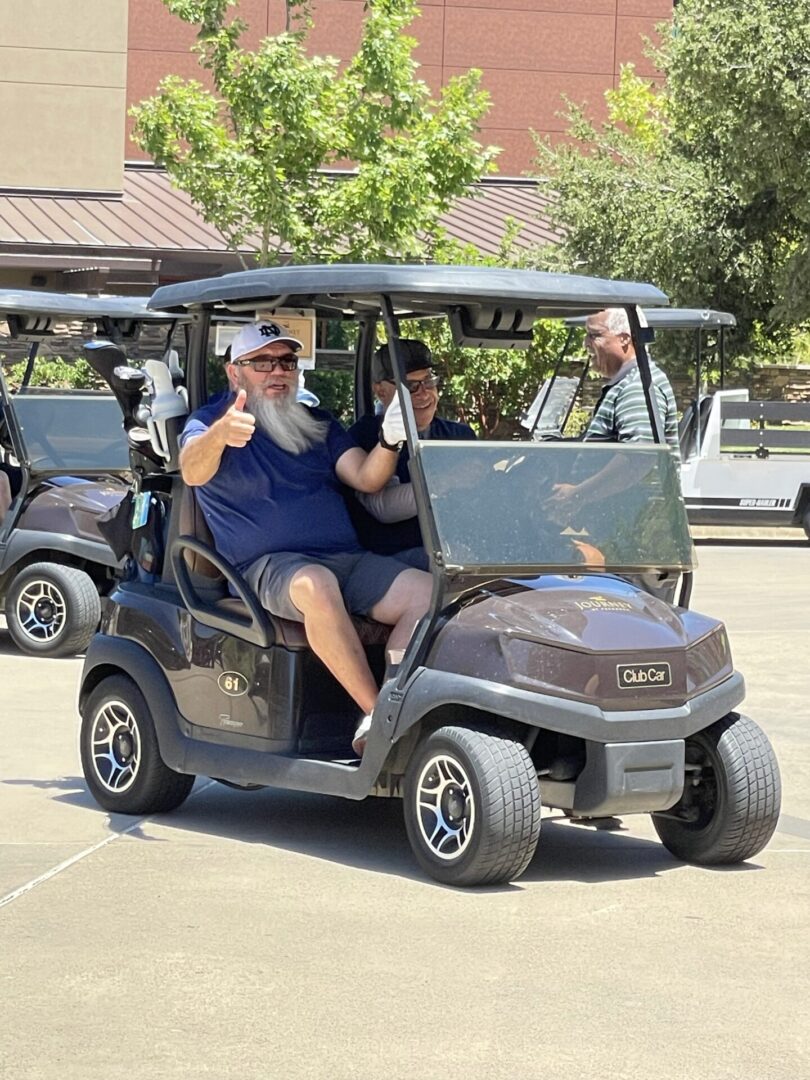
(268, 473)
(386, 522)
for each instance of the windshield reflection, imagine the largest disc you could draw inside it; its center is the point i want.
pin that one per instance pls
(564, 506)
(71, 433)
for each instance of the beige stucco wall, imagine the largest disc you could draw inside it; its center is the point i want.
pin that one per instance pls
(63, 93)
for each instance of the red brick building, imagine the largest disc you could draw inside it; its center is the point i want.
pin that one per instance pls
(532, 52)
(74, 217)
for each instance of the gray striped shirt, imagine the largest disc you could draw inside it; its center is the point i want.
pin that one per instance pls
(621, 413)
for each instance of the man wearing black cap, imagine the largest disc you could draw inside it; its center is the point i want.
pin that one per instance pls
(386, 522)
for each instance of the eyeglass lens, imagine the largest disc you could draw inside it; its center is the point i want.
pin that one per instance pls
(428, 383)
(270, 363)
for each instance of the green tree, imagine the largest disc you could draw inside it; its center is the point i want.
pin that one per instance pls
(489, 388)
(251, 152)
(702, 184)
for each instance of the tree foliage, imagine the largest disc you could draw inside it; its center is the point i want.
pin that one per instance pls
(252, 150)
(702, 184)
(489, 388)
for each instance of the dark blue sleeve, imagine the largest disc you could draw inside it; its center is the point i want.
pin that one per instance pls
(338, 440)
(201, 419)
(366, 431)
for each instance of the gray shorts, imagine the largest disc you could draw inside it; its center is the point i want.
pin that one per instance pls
(364, 579)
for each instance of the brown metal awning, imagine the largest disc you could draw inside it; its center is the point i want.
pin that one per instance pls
(152, 232)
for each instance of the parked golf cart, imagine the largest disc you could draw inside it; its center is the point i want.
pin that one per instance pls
(68, 461)
(539, 672)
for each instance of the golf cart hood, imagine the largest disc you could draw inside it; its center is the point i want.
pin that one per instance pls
(72, 506)
(588, 638)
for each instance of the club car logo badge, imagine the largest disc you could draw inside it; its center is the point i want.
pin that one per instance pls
(232, 683)
(635, 676)
(601, 603)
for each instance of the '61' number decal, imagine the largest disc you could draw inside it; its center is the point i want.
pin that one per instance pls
(232, 683)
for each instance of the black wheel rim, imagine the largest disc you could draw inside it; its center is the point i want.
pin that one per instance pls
(706, 786)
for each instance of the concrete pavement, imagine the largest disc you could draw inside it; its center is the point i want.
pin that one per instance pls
(280, 935)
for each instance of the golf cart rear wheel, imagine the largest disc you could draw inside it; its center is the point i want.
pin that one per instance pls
(52, 610)
(120, 755)
(472, 806)
(731, 799)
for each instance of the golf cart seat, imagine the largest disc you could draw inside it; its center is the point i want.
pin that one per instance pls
(207, 583)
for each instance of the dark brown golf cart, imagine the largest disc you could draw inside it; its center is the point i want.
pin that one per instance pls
(67, 461)
(541, 672)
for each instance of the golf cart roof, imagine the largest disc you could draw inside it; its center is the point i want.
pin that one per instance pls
(356, 288)
(65, 305)
(679, 319)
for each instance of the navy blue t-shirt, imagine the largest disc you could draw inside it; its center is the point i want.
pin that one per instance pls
(388, 539)
(264, 499)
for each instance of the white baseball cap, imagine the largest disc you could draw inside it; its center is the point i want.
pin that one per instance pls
(255, 336)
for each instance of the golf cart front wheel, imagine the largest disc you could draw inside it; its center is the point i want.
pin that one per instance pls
(52, 610)
(472, 806)
(120, 754)
(730, 805)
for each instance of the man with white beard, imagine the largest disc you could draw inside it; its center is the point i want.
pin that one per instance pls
(268, 473)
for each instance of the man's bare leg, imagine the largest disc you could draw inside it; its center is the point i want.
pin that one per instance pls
(315, 592)
(403, 606)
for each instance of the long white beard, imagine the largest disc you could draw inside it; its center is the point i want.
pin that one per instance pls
(288, 423)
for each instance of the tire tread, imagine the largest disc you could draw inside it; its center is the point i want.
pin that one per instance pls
(753, 795)
(157, 788)
(82, 615)
(511, 795)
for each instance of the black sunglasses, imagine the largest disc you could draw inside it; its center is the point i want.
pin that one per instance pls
(430, 382)
(288, 362)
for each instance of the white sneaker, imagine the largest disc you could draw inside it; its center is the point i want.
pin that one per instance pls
(361, 735)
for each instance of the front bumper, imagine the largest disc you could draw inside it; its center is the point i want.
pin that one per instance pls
(622, 778)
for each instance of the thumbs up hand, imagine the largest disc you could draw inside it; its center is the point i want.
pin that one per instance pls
(237, 426)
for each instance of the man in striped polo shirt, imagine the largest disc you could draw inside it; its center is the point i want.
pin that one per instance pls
(621, 412)
(621, 416)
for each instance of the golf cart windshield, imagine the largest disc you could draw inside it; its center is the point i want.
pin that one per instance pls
(77, 432)
(506, 508)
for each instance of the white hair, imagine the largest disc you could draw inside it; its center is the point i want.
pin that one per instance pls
(287, 422)
(616, 321)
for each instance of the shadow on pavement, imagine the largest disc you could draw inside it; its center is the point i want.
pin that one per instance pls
(370, 835)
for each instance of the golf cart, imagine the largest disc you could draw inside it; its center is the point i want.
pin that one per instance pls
(743, 462)
(539, 673)
(68, 463)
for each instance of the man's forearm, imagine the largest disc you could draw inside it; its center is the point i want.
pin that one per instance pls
(377, 469)
(201, 456)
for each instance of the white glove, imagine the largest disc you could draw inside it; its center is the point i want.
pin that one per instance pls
(393, 426)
